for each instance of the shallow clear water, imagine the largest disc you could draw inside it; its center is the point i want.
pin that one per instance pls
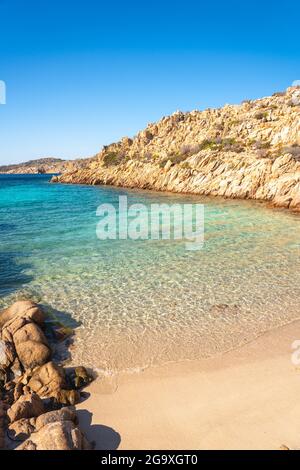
(139, 303)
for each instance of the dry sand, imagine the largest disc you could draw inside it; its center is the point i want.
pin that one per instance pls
(248, 398)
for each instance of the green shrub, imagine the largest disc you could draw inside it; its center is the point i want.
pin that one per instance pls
(186, 166)
(261, 115)
(259, 144)
(228, 144)
(189, 149)
(113, 158)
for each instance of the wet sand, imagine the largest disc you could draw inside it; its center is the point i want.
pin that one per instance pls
(248, 398)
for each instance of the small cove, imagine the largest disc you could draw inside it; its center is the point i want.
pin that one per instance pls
(147, 302)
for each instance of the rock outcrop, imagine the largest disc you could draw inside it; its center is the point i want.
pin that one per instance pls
(27, 406)
(60, 435)
(33, 389)
(55, 430)
(249, 151)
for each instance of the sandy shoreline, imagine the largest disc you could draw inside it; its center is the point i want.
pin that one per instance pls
(245, 399)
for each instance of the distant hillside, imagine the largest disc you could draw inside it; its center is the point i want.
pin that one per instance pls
(42, 166)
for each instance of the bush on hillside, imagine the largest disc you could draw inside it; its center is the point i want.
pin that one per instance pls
(293, 150)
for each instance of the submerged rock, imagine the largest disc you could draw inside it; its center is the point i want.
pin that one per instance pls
(224, 310)
(62, 333)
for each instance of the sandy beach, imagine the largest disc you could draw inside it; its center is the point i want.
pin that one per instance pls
(245, 399)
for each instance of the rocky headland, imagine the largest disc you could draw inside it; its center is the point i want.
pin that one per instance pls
(37, 394)
(43, 166)
(247, 151)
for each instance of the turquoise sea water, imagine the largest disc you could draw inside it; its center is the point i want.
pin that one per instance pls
(139, 303)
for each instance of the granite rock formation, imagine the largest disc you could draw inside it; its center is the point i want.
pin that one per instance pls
(248, 151)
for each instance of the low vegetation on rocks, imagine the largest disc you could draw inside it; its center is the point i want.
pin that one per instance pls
(37, 395)
(293, 150)
(243, 151)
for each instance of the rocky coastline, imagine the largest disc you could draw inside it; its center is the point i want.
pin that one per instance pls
(246, 151)
(41, 166)
(37, 394)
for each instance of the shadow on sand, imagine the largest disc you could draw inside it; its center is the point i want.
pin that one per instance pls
(102, 437)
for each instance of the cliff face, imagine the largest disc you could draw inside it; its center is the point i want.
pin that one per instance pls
(250, 151)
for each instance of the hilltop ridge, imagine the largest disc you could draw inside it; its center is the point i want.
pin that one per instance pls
(42, 166)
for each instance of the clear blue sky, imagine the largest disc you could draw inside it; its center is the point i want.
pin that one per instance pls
(81, 74)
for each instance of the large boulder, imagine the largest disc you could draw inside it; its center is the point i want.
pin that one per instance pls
(64, 414)
(47, 380)
(22, 308)
(23, 428)
(60, 435)
(27, 406)
(11, 327)
(29, 332)
(32, 354)
(27, 339)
